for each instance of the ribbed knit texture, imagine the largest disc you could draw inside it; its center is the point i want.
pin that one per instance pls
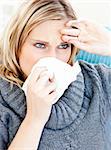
(80, 120)
(93, 58)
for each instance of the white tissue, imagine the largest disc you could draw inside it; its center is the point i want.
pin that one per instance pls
(64, 73)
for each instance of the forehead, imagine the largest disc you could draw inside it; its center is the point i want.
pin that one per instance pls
(48, 30)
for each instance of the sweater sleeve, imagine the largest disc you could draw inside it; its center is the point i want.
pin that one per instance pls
(3, 129)
(105, 75)
(3, 136)
(105, 108)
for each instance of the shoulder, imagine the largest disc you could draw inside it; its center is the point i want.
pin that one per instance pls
(12, 111)
(7, 89)
(12, 98)
(100, 70)
(99, 75)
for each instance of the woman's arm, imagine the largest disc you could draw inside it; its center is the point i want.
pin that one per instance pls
(3, 135)
(28, 135)
(40, 97)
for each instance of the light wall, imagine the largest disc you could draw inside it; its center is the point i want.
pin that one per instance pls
(97, 10)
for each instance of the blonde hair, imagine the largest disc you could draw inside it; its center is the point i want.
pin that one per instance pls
(30, 14)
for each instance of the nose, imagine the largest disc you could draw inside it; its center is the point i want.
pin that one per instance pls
(52, 53)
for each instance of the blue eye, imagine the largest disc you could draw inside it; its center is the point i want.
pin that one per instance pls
(40, 45)
(63, 46)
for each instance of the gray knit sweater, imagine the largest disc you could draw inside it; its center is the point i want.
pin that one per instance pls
(80, 120)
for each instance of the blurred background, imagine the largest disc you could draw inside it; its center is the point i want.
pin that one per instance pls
(97, 10)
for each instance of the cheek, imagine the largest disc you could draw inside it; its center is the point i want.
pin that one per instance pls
(65, 56)
(27, 59)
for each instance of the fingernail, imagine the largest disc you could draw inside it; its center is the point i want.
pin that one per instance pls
(62, 31)
(63, 39)
(66, 23)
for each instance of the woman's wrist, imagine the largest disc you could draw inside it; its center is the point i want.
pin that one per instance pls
(28, 135)
(110, 51)
(109, 43)
(29, 120)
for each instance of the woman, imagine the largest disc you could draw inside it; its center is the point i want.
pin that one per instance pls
(81, 117)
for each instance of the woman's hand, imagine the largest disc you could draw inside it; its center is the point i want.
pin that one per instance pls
(40, 95)
(88, 36)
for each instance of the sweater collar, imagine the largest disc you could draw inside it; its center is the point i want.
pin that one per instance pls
(63, 112)
(67, 109)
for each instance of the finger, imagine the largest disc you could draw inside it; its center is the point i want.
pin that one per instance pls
(74, 41)
(67, 38)
(73, 23)
(52, 98)
(51, 88)
(35, 74)
(44, 73)
(43, 81)
(50, 74)
(78, 44)
(83, 37)
(53, 79)
(80, 24)
(72, 32)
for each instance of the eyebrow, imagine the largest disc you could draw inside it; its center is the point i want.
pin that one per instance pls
(39, 41)
(46, 42)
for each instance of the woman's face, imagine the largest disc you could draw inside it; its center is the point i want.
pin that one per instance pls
(44, 41)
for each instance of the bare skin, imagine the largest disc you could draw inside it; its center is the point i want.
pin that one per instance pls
(89, 36)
